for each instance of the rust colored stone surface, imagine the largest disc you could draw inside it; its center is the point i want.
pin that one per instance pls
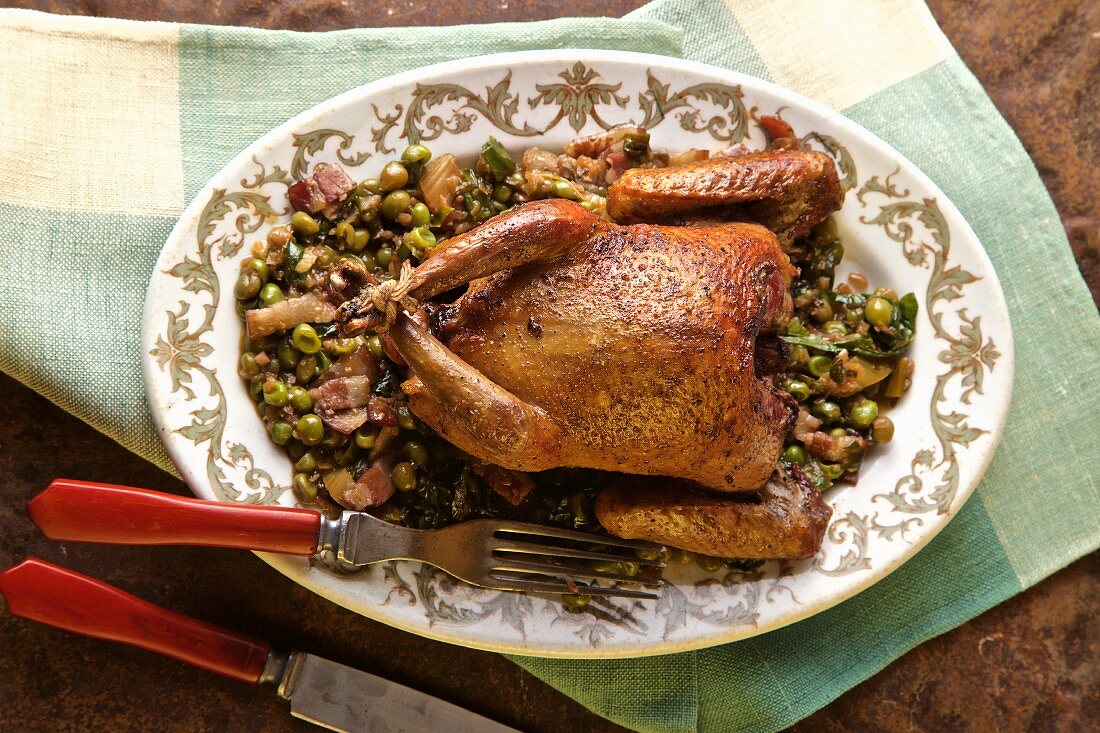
(1027, 665)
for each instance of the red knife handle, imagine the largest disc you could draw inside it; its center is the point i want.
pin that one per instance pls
(84, 511)
(52, 595)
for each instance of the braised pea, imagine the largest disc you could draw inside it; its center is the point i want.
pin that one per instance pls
(421, 238)
(795, 454)
(259, 267)
(579, 506)
(288, 355)
(384, 256)
(310, 429)
(416, 154)
(374, 346)
(564, 189)
(248, 285)
(798, 389)
(396, 203)
(345, 233)
(305, 339)
(326, 256)
(369, 186)
(628, 567)
(366, 436)
(405, 418)
(249, 367)
(404, 476)
(683, 557)
(299, 399)
(420, 214)
(835, 328)
(819, 366)
(323, 362)
(333, 440)
(306, 369)
(271, 294)
(340, 347)
(394, 176)
(275, 393)
(305, 487)
(879, 312)
(863, 413)
(307, 463)
(826, 411)
(502, 192)
(368, 260)
(882, 429)
(832, 471)
(838, 433)
(256, 391)
(403, 252)
(281, 432)
(358, 242)
(416, 452)
(304, 224)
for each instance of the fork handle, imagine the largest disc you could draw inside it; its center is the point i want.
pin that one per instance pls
(40, 591)
(85, 511)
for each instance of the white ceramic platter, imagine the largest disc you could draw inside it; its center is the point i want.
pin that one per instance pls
(897, 226)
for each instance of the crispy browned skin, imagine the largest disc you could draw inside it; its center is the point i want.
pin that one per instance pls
(788, 191)
(788, 522)
(637, 345)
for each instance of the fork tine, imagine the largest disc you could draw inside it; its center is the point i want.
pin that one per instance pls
(536, 586)
(534, 548)
(566, 572)
(538, 530)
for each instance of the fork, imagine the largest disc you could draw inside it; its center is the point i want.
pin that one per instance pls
(497, 554)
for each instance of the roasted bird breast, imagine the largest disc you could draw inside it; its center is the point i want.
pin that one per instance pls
(646, 348)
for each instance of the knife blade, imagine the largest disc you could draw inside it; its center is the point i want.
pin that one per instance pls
(323, 692)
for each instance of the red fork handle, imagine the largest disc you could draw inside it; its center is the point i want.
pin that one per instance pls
(84, 511)
(52, 595)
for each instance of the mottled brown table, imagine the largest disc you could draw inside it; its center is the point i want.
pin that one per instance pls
(1029, 664)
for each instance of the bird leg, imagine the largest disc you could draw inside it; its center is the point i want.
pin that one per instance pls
(788, 191)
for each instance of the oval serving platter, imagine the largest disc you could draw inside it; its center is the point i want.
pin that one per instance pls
(897, 226)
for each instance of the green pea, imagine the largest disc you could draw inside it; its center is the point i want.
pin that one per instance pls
(395, 204)
(249, 367)
(795, 454)
(299, 399)
(421, 238)
(819, 365)
(307, 463)
(384, 256)
(579, 505)
(359, 242)
(306, 339)
(836, 328)
(394, 176)
(684, 557)
(798, 389)
(403, 252)
(882, 430)
(340, 347)
(879, 312)
(256, 391)
(502, 192)
(575, 602)
(323, 362)
(326, 256)
(628, 567)
(838, 433)
(310, 429)
(333, 440)
(416, 154)
(826, 411)
(304, 224)
(281, 432)
(369, 185)
(305, 487)
(344, 232)
(653, 553)
(564, 189)
(374, 346)
(366, 436)
(863, 413)
(368, 260)
(271, 294)
(288, 355)
(405, 419)
(275, 393)
(248, 285)
(306, 369)
(259, 267)
(832, 471)
(416, 452)
(708, 563)
(404, 476)
(421, 216)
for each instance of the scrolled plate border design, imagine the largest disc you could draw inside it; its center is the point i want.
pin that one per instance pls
(898, 227)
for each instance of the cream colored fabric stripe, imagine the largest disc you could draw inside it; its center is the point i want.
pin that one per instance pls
(812, 46)
(90, 114)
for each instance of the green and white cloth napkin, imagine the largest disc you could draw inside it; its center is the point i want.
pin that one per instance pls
(108, 128)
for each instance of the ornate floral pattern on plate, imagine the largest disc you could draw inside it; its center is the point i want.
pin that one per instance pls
(898, 228)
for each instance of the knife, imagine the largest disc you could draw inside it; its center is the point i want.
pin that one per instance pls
(323, 692)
